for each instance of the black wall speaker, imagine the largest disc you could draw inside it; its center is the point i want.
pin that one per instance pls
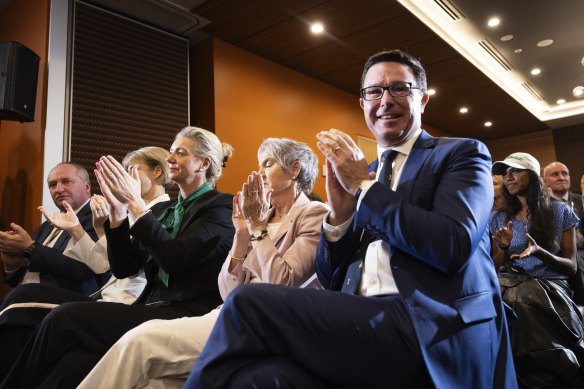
(19, 69)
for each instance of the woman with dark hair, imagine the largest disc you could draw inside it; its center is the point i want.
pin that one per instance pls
(181, 252)
(534, 246)
(276, 233)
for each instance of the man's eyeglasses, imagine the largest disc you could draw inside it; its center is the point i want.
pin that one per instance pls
(398, 89)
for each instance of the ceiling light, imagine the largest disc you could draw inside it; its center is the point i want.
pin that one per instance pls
(582, 61)
(493, 22)
(317, 28)
(517, 51)
(560, 101)
(535, 71)
(506, 38)
(463, 110)
(488, 124)
(578, 91)
(431, 91)
(545, 42)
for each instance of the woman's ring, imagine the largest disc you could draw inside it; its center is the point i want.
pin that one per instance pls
(336, 148)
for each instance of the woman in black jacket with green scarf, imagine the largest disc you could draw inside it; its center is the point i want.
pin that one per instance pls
(182, 252)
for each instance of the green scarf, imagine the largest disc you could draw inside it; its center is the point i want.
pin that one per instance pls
(172, 218)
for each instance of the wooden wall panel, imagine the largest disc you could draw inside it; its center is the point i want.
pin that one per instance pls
(21, 144)
(539, 144)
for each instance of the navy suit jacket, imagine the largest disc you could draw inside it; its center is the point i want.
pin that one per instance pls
(57, 269)
(437, 223)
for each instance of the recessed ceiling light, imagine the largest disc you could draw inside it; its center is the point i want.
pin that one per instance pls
(545, 42)
(560, 101)
(535, 71)
(488, 124)
(578, 91)
(463, 110)
(506, 38)
(431, 91)
(493, 22)
(317, 28)
(517, 51)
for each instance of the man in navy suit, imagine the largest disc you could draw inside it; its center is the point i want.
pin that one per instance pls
(420, 303)
(39, 258)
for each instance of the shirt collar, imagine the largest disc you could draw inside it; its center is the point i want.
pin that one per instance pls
(403, 148)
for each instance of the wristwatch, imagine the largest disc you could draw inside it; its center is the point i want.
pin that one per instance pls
(258, 237)
(28, 251)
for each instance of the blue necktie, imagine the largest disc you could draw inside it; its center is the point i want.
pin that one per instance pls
(353, 276)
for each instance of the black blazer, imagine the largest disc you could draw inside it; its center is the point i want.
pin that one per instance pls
(193, 259)
(57, 269)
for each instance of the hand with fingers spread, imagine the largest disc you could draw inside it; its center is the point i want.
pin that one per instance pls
(255, 202)
(67, 220)
(504, 235)
(532, 248)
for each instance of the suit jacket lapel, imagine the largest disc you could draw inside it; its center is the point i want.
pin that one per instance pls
(418, 154)
(301, 200)
(197, 205)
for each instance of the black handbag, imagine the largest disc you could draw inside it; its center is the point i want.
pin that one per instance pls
(577, 281)
(547, 339)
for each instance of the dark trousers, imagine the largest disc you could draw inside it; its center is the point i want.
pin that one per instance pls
(71, 340)
(270, 336)
(18, 322)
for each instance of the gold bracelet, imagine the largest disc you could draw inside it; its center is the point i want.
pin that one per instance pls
(237, 258)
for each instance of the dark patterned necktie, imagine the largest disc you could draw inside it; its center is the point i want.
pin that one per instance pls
(387, 159)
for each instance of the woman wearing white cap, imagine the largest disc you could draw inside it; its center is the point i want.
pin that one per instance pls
(534, 244)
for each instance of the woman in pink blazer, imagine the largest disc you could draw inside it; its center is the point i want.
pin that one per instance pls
(277, 229)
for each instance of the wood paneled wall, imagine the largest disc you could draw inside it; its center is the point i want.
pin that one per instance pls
(21, 144)
(539, 144)
(254, 99)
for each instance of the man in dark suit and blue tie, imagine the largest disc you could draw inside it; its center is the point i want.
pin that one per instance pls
(420, 305)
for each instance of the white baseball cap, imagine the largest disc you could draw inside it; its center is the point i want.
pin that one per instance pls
(518, 161)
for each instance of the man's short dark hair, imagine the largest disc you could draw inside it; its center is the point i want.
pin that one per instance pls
(399, 57)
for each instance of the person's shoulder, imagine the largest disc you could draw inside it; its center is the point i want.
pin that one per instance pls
(560, 208)
(576, 197)
(158, 208)
(316, 207)
(460, 142)
(216, 198)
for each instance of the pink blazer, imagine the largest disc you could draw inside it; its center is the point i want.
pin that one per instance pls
(285, 259)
